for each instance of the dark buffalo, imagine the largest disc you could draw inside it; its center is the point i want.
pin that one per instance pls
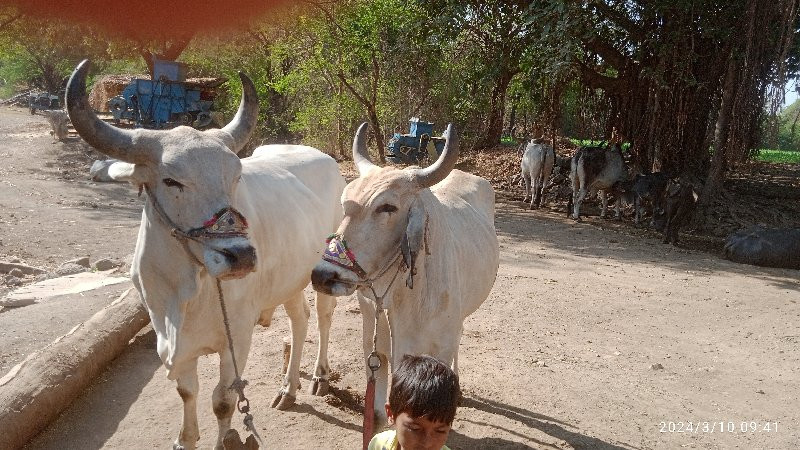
(769, 247)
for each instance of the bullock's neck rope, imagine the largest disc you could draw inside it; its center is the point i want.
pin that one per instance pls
(338, 254)
(238, 385)
(242, 404)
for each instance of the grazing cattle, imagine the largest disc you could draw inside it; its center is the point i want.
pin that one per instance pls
(216, 226)
(436, 225)
(595, 169)
(537, 164)
(769, 247)
(679, 202)
(648, 188)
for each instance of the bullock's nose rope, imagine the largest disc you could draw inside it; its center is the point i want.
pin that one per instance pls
(238, 385)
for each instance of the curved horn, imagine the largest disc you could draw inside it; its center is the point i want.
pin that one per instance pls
(439, 170)
(360, 152)
(108, 139)
(244, 122)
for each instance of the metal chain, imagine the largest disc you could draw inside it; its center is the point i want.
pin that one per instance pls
(238, 385)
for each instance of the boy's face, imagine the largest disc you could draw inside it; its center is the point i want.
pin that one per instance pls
(418, 433)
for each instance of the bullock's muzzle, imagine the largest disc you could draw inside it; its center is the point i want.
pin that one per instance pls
(325, 279)
(235, 259)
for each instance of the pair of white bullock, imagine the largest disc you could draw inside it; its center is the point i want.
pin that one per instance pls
(256, 226)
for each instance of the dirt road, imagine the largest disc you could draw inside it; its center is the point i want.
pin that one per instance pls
(591, 338)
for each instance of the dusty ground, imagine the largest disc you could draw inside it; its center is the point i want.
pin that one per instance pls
(561, 355)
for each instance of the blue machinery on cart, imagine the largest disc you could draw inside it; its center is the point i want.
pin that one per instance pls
(417, 146)
(164, 101)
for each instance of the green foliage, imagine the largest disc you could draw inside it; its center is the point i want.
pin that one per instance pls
(777, 156)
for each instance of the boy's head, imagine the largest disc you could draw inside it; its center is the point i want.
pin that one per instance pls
(422, 402)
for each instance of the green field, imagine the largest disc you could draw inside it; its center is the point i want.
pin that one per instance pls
(778, 156)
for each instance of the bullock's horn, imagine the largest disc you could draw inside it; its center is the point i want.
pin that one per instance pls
(108, 139)
(439, 170)
(360, 152)
(244, 122)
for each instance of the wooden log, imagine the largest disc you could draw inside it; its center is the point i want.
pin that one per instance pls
(34, 392)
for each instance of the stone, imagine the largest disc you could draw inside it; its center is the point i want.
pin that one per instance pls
(106, 264)
(69, 269)
(16, 273)
(6, 267)
(656, 366)
(84, 261)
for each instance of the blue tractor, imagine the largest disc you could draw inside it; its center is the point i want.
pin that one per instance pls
(165, 101)
(416, 147)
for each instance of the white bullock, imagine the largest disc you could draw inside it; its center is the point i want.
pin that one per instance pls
(255, 223)
(426, 238)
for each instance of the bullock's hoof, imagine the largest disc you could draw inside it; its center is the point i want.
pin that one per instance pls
(319, 387)
(532, 207)
(577, 219)
(283, 401)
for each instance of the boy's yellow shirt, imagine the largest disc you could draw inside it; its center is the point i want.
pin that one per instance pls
(388, 441)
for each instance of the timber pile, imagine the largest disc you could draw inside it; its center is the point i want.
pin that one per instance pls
(110, 86)
(107, 87)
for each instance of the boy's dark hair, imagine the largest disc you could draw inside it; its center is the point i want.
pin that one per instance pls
(423, 386)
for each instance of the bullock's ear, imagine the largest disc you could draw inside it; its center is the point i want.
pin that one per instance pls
(135, 174)
(414, 239)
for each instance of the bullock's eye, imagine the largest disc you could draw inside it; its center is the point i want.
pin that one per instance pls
(172, 183)
(386, 208)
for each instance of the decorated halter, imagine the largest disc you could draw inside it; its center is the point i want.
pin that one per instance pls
(227, 222)
(338, 254)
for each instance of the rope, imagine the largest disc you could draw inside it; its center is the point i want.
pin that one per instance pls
(238, 385)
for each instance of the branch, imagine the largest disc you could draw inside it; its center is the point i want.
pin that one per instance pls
(635, 31)
(350, 88)
(607, 51)
(327, 13)
(11, 19)
(595, 80)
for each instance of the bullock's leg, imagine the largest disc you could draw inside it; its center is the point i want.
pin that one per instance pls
(526, 177)
(188, 387)
(581, 194)
(384, 351)
(223, 399)
(536, 195)
(325, 305)
(604, 200)
(298, 311)
(540, 191)
(618, 207)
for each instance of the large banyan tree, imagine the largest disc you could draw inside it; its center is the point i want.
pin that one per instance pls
(688, 83)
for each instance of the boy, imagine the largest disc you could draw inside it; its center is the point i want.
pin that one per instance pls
(422, 405)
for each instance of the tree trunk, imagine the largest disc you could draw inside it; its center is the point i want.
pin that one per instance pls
(375, 124)
(718, 161)
(494, 124)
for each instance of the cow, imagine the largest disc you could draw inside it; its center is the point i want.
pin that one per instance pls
(594, 169)
(217, 227)
(679, 203)
(648, 188)
(768, 247)
(537, 164)
(59, 121)
(434, 224)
